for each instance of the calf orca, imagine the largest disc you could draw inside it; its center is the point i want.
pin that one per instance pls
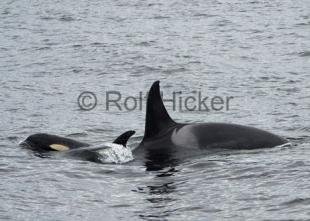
(46, 142)
(164, 137)
(51, 143)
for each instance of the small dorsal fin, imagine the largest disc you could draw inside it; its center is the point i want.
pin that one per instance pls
(157, 117)
(123, 138)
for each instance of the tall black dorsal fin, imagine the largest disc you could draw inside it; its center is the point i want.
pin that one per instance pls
(123, 138)
(157, 117)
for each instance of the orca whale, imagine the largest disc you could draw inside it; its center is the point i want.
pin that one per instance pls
(42, 143)
(166, 139)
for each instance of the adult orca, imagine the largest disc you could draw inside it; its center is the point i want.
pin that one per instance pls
(46, 143)
(166, 139)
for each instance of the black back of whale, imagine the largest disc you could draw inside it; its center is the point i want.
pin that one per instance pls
(42, 142)
(161, 132)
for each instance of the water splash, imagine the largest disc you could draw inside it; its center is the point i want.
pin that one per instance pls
(115, 153)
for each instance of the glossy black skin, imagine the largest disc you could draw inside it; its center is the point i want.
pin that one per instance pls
(166, 140)
(215, 135)
(41, 142)
(87, 154)
(207, 136)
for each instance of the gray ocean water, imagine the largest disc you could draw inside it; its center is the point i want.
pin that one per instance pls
(256, 51)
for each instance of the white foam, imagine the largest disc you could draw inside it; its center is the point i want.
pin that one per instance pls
(115, 153)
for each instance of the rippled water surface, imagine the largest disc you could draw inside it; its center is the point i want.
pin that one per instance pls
(256, 51)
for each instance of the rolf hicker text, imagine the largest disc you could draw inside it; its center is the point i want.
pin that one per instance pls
(115, 101)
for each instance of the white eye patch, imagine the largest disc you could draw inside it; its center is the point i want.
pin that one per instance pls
(59, 147)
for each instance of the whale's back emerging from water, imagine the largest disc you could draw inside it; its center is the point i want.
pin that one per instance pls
(115, 152)
(47, 142)
(161, 132)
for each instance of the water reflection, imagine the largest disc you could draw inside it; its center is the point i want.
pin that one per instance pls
(161, 158)
(160, 198)
(160, 193)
